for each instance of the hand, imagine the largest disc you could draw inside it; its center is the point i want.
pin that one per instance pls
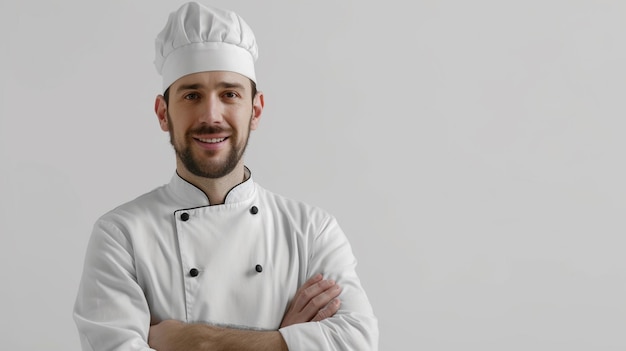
(314, 301)
(163, 335)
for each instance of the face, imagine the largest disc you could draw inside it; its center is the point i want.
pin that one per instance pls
(209, 116)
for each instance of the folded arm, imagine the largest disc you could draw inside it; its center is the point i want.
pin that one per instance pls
(314, 301)
(112, 313)
(354, 326)
(171, 335)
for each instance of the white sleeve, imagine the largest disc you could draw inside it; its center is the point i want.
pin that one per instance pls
(354, 326)
(111, 312)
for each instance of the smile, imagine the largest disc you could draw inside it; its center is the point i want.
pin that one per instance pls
(212, 140)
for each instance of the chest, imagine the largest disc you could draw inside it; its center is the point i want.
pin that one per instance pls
(237, 267)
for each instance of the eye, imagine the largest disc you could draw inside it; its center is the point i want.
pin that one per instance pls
(191, 96)
(230, 95)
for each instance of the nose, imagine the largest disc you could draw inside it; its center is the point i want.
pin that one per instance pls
(211, 111)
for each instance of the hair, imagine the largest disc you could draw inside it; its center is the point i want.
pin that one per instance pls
(166, 94)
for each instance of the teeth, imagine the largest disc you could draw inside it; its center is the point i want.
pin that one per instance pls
(212, 141)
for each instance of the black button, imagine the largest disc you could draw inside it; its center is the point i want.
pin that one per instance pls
(254, 210)
(194, 272)
(259, 268)
(184, 216)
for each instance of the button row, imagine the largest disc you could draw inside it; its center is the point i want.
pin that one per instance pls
(194, 272)
(185, 216)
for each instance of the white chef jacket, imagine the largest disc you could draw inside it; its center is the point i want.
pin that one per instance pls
(168, 254)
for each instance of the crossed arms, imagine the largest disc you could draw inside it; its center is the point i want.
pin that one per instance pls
(316, 300)
(125, 301)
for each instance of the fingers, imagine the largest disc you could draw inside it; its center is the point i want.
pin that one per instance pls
(314, 296)
(314, 279)
(328, 311)
(320, 299)
(301, 298)
(315, 300)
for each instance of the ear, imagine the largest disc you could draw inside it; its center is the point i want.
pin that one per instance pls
(257, 109)
(160, 108)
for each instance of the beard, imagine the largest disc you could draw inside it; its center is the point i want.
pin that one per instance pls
(198, 164)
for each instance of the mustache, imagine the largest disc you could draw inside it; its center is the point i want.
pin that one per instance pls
(207, 130)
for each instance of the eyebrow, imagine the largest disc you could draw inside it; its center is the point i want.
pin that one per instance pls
(222, 85)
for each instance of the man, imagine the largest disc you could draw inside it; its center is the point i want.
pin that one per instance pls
(211, 260)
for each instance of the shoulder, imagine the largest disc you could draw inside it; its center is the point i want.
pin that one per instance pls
(288, 203)
(149, 204)
(296, 211)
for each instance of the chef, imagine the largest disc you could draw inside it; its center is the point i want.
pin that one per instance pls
(212, 260)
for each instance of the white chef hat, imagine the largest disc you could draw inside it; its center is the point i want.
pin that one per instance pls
(199, 38)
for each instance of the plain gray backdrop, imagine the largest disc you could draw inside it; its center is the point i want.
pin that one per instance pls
(473, 152)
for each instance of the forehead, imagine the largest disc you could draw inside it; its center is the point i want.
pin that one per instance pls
(212, 79)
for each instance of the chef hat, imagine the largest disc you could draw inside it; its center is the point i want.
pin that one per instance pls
(199, 38)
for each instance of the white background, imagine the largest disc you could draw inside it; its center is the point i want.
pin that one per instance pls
(473, 152)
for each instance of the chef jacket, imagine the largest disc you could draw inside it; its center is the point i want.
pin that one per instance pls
(168, 254)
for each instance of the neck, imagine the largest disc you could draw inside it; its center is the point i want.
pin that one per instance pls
(215, 189)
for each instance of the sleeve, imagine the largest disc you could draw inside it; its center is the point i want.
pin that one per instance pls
(354, 326)
(111, 312)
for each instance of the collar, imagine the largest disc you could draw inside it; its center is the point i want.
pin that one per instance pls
(191, 196)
